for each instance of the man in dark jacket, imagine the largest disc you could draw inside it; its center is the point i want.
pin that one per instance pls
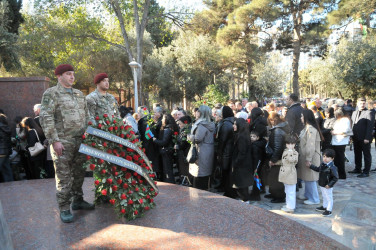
(294, 114)
(363, 123)
(5, 149)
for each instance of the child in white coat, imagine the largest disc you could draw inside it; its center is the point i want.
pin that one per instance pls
(288, 175)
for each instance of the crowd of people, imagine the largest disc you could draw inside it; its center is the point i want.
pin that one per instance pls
(243, 147)
(236, 149)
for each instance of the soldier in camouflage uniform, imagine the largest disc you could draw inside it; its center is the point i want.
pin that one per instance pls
(99, 101)
(63, 117)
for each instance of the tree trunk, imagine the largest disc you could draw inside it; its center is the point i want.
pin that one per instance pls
(297, 16)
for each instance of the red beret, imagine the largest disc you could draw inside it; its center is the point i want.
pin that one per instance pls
(63, 68)
(98, 78)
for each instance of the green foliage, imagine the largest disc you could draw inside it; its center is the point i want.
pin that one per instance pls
(270, 76)
(213, 95)
(355, 65)
(183, 69)
(10, 20)
(350, 10)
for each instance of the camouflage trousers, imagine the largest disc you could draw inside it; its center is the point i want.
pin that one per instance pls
(69, 173)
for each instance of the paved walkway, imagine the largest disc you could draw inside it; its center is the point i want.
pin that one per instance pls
(353, 222)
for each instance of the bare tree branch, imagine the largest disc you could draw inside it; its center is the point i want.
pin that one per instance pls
(116, 8)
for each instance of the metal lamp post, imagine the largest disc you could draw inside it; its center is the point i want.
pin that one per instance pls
(135, 65)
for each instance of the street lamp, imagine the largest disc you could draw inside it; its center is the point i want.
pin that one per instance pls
(135, 65)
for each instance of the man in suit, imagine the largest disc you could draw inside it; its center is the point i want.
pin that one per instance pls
(363, 123)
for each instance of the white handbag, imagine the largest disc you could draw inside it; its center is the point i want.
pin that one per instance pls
(37, 148)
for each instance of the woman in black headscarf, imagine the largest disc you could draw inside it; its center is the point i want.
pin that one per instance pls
(242, 169)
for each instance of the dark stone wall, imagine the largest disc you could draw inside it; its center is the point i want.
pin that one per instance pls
(18, 95)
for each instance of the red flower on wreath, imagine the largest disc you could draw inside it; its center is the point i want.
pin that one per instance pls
(125, 185)
(103, 171)
(105, 115)
(107, 122)
(176, 133)
(99, 125)
(122, 154)
(112, 201)
(128, 175)
(89, 123)
(146, 208)
(114, 188)
(96, 182)
(130, 202)
(97, 118)
(119, 181)
(122, 211)
(88, 157)
(128, 158)
(100, 161)
(104, 192)
(111, 128)
(83, 137)
(135, 212)
(92, 166)
(105, 144)
(122, 136)
(109, 181)
(123, 196)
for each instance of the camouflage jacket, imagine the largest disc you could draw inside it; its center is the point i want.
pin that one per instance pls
(63, 114)
(100, 104)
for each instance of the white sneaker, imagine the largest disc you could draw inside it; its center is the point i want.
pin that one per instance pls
(287, 210)
(308, 202)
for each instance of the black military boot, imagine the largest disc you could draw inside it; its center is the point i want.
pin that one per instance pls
(66, 216)
(80, 204)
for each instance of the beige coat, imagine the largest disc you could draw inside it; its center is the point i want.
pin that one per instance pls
(287, 172)
(309, 150)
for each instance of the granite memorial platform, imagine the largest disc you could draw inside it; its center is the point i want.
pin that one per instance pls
(185, 218)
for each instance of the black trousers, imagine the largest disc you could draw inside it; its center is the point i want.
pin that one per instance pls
(276, 188)
(167, 166)
(243, 193)
(361, 148)
(201, 182)
(339, 160)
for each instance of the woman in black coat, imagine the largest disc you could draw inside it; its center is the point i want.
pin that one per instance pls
(147, 144)
(225, 148)
(258, 122)
(242, 169)
(182, 147)
(327, 128)
(277, 143)
(5, 149)
(166, 146)
(34, 134)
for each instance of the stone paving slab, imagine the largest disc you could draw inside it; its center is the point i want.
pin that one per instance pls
(353, 222)
(185, 218)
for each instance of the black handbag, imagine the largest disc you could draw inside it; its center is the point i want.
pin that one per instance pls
(268, 151)
(192, 156)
